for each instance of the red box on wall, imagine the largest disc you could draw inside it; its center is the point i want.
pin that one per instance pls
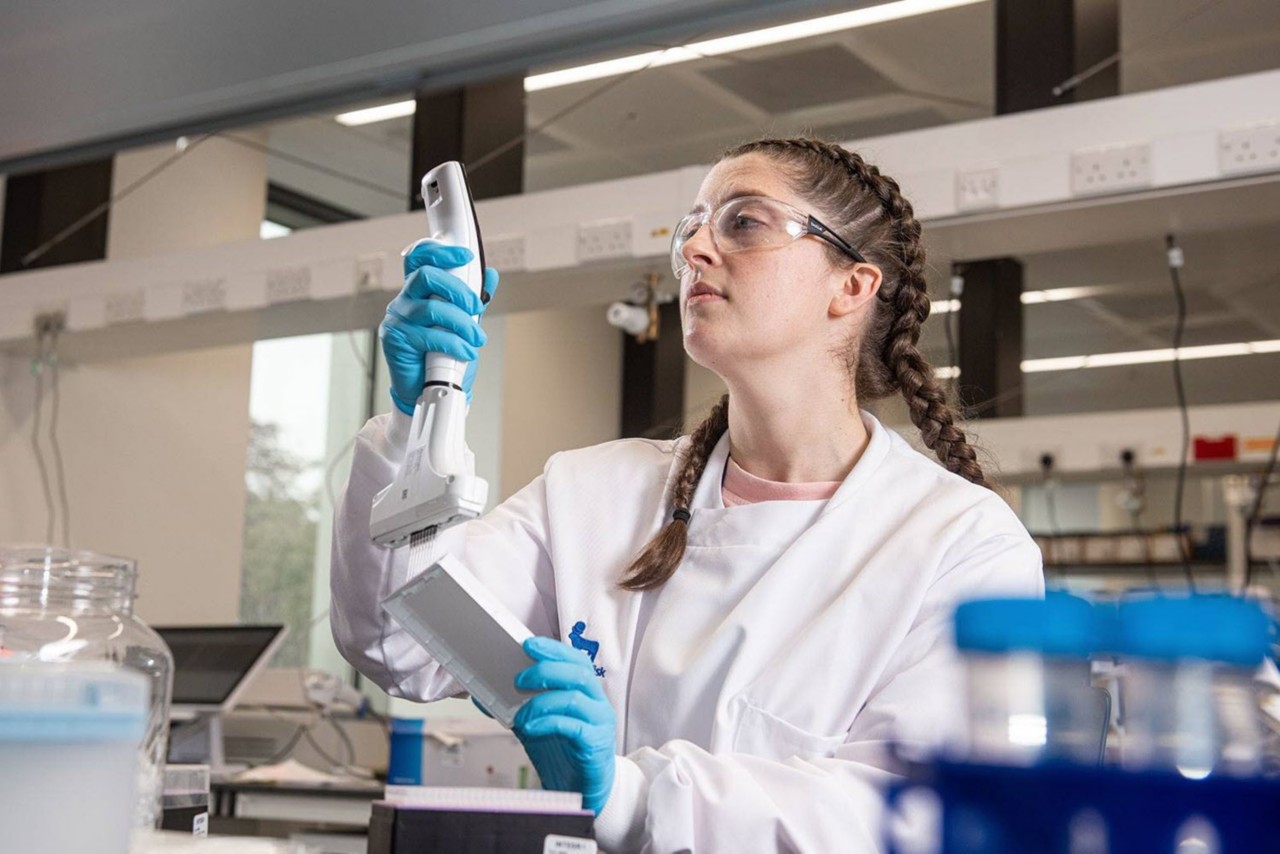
(1214, 448)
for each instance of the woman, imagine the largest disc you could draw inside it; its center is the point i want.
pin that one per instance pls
(769, 598)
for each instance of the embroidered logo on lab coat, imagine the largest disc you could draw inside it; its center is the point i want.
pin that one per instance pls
(586, 644)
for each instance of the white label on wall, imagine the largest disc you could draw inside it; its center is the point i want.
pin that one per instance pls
(568, 845)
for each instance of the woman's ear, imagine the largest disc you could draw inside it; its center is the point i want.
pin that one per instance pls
(860, 286)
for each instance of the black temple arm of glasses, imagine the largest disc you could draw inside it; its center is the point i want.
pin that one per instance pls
(818, 228)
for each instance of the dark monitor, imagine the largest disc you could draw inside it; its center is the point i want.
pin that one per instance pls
(212, 665)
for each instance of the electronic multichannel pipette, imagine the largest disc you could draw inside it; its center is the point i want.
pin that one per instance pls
(434, 488)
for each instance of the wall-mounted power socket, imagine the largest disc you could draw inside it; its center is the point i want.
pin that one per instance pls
(608, 238)
(978, 190)
(505, 253)
(1111, 169)
(50, 323)
(369, 273)
(1250, 149)
(285, 284)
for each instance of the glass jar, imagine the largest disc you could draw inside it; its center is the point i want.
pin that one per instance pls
(62, 605)
(1189, 702)
(1028, 681)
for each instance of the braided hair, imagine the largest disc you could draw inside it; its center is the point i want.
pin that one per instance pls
(867, 209)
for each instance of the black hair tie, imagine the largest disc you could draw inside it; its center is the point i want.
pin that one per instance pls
(680, 514)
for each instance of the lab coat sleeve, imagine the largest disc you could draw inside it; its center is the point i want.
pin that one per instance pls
(680, 797)
(505, 549)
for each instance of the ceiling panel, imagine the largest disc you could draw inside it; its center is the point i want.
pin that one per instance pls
(879, 125)
(650, 108)
(1172, 42)
(802, 78)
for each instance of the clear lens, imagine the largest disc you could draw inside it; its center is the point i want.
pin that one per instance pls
(753, 223)
(749, 222)
(685, 229)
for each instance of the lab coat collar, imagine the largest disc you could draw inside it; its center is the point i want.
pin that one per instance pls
(708, 495)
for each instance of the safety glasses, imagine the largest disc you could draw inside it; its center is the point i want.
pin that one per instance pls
(753, 222)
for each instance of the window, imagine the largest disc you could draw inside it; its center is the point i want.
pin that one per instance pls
(308, 396)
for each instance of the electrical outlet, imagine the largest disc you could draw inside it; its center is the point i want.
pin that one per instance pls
(609, 238)
(369, 272)
(204, 295)
(1031, 459)
(977, 190)
(288, 283)
(1250, 149)
(1108, 170)
(505, 253)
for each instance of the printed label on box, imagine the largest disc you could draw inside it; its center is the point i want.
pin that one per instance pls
(568, 845)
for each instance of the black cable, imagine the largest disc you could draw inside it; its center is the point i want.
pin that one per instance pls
(316, 167)
(37, 370)
(953, 356)
(280, 754)
(1256, 511)
(1072, 82)
(1175, 263)
(54, 370)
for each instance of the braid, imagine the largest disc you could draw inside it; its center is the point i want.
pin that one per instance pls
(886, 359)
(662, 555)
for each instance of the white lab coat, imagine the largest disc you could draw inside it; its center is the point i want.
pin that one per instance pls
(756, 692)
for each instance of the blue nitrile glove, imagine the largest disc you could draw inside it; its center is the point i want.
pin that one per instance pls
(568, 729)
(416, 325)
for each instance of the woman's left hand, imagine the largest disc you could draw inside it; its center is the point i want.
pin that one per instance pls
(568, 729)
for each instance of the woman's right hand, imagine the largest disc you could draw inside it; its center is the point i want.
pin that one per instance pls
(435, 312)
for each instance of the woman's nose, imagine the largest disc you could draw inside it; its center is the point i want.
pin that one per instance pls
(700, 248)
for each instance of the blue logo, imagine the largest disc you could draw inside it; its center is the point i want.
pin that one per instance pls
(580, 641)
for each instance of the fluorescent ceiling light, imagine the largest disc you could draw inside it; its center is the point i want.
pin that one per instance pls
(697, 50)
(1131, 357)
(370, 115)
(1058, 295)
(743, 41)
(1146, 357)
(944, 306)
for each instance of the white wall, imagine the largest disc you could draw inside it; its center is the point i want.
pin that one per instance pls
(215, 193)
(562, 387)
(154, 452)
(154, 447)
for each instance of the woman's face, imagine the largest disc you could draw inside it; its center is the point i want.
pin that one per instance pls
(745, 307)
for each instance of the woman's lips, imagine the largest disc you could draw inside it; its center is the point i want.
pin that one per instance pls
(701, 293)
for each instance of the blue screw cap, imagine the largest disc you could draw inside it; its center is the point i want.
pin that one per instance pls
(1059, 625)
(1209, 627)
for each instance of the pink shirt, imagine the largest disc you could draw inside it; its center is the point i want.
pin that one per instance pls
(741, 487)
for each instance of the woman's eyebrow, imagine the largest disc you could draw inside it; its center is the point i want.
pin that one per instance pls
(727, 195)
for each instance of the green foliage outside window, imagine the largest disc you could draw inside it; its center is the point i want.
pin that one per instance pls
(279, 542)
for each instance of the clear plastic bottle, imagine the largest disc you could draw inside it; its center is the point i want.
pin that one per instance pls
(61, 605)
(1027, 680)
(1188, 701)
